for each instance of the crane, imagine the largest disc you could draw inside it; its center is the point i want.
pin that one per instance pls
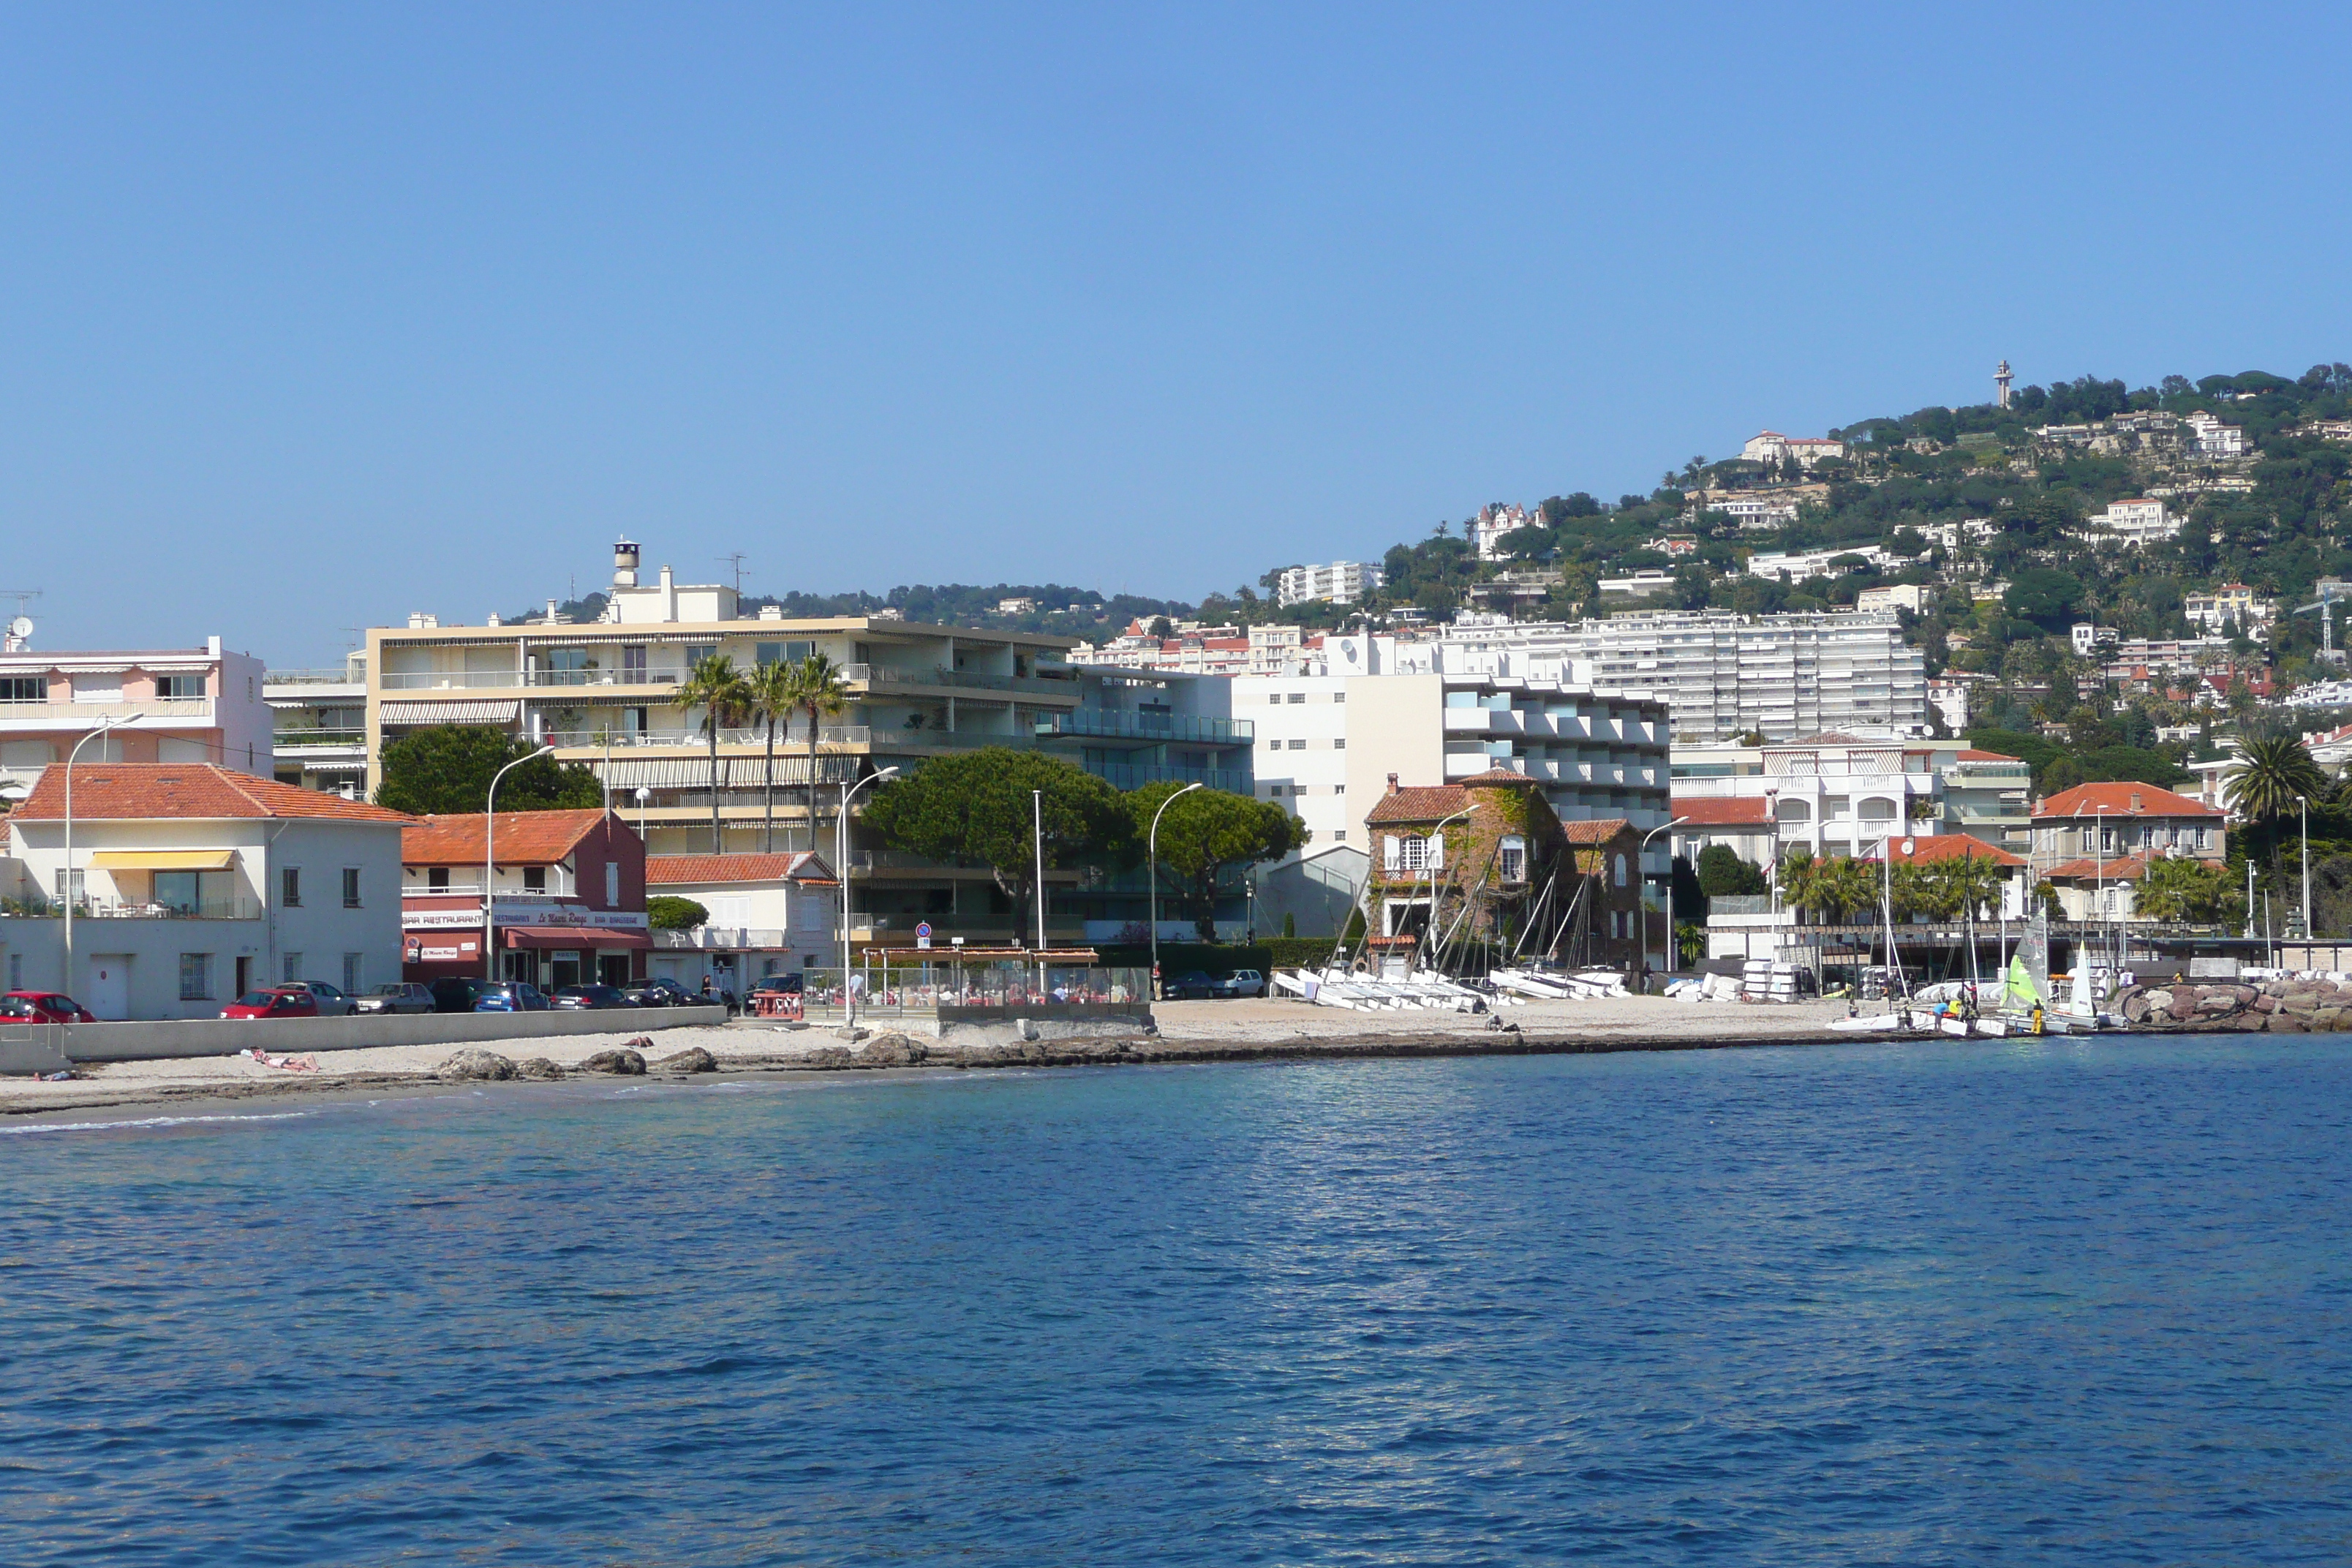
(2329, 590)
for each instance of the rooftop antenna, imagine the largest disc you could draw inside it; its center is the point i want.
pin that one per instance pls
(735, 560)
(20, 624)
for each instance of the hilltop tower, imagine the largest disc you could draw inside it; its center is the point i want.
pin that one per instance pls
(2000, 385)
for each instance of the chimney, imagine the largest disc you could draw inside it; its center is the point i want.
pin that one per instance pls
(1392, 783)
(772, 612)
(495, 620)
(2134, 800)
(624, 564)
(553, 618)
(421, 620)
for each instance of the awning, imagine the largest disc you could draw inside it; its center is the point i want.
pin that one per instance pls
(587, 938)
(466, 710)
(164, 860)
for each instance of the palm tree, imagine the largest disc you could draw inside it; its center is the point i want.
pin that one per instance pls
(2272, 771)
(718, 688)
(1845, 886)
(775, 689)
(819, 688)
(1799, 871)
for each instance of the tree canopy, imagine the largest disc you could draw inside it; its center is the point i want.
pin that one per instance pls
(1206, 831)
(448, 768)
(978, 806)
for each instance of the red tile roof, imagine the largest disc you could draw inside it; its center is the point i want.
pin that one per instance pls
(1971, 754)
(1596, 830)
(126, 791)
(797, 866)
(1498, 775)
(2085, 800)
(1420, 803)
(524, 838)
(1722, 811)
(1951, 847)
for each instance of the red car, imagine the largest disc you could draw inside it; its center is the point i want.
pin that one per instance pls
(286, 1002)
(45, 1007)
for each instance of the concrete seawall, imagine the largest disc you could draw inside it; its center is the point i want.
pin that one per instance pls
(45, 1048)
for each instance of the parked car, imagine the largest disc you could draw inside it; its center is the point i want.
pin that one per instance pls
(1194, 986)
(332, 1004)
(510, 996)
(457, 992)
(791, 984)
(590, 996)
(663, 992)
(1243, 983)
(45, 1007)
(280, 1002)
(397, 996)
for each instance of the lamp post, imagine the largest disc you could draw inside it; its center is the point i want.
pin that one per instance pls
(840, 851)
(2303, 806)
(1772, 857)
(491, 864)
(644, 795)
(1151, 858)
(66, 878)
(1641, 908)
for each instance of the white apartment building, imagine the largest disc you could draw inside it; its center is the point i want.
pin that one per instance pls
(1954, 536)
(2215, 439)
(1755, 513)
(1328, 745)
(1912, 596)
(319, 739)
(1719, 674)
(1340, 582)
(1834, 795)
(1798, 566)
(168, 705)
(1771, 447)
(1641, 584)
(2139, 521)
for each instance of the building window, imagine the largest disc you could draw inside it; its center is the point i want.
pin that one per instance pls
(1338, 836)
(195, 976)
(1392, 856)
(1273, 792)
(1338, 789)
(1298, 745)
(354, 974)
(1417, 854)
(1298, 696)
(1620, 870)
(1340, 744)
(1339, 696)
(436, 878)
(1515, 859)
(293, 970)
(612, 884)
(24, 689)
(350, 886)
(179, 687)
(290, 887)
(534, 878)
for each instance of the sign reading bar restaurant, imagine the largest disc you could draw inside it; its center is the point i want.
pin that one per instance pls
(520, 912)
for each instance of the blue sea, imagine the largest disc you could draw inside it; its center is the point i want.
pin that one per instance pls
(2003, 1302)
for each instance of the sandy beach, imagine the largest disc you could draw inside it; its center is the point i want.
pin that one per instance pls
(1188, 1031)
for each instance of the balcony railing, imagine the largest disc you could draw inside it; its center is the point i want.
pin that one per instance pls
(732, 937)
(597, 740)
(285, 738)
(1149, 727)
(314, 677)
(515, 679)
(231, 908)
(152, 707)
(1123, 776)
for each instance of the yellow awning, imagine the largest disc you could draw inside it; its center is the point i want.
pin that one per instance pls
(164, 860)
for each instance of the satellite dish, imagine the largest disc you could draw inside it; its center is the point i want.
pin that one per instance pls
(22, 626)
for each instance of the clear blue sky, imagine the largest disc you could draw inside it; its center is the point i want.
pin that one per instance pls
(312, 316)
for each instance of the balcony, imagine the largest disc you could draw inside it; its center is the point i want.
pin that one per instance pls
(729, 737)
(733, 938)
(518, 680)
(301, 740)
(230, 908)
(1149, 727)
(1123, 776)
(86, 715)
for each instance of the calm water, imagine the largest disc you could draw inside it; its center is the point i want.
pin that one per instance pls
(2041, 1303)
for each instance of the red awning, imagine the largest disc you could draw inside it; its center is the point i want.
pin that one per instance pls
(586, 938)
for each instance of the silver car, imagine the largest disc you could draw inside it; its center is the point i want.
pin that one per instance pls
(397, 996)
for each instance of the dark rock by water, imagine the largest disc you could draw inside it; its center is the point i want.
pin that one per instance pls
(694, 1059)
(622, 1061)
(475, 1064)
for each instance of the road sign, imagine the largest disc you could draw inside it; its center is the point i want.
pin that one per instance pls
(923, 934)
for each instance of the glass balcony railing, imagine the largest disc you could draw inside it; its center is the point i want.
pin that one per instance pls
(1149, 727)
(1122, 775)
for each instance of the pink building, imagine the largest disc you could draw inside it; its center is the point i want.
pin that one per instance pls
(182, 705)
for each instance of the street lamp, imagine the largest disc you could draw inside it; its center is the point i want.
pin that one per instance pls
(2304, 807)
(1429, 864)
(66, 878)
(2099, 868)
(1772, 857)
(490, 864)
(1151, 856)
(840, 851)
(1641, 910)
